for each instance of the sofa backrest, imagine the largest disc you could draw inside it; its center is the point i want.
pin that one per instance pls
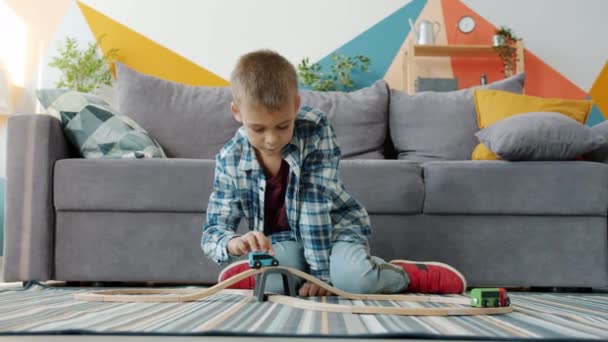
(195, 121)
(359, 118)
(187, 121)
(430, 126)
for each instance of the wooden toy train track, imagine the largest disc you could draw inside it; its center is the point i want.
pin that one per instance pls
(191, 295)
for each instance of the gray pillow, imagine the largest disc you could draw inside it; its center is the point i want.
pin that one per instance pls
(96, 129)
(360, 118)
(188, 121)
(195, 121)
(439, 125)
(600, 154)
(539, 136)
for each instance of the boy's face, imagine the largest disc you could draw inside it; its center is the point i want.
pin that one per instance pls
(268, 131)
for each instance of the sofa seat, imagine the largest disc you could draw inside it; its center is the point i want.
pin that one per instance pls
(164, 185)
(384, 186)
(516, 188)
(184, 185)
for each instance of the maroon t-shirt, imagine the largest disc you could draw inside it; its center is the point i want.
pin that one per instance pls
(275, 214)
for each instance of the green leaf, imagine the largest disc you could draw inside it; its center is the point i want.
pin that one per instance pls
(339, 76)
(83, 70)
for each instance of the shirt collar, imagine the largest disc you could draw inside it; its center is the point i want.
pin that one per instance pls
(249, 161)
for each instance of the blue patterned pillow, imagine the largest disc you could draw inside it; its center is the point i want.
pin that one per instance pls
(96, 129)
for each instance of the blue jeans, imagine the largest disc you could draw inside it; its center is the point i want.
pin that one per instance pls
(352, 269)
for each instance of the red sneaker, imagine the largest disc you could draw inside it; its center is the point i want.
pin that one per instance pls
(234, 269)
(432, 277)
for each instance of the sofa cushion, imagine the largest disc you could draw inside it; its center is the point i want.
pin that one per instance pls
(172, 185)
(539, 136)
(184, 185)
(384, 186)
(601, 153)
(188, 121)
(195, 121)
(439, 125)
(495, 105)
(519, 188)
(360, 118)
(96, 129)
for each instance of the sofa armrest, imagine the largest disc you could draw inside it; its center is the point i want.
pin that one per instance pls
(34, 143)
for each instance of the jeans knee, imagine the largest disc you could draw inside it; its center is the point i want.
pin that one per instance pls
(290, 254)
(354, 284)
(352, 279)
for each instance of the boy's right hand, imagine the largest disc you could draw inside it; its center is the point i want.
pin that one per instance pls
(250, 242)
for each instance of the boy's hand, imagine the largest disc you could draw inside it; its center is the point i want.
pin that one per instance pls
(313, 290)
(250, 242)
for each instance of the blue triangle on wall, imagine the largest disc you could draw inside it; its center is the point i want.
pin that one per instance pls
(595, 117)
(380, 43)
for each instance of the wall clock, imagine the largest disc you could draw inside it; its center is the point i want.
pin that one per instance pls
(466, 24)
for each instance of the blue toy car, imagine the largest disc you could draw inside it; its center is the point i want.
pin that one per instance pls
(261, 259)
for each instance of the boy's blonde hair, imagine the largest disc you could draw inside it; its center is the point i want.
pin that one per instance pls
(264, 78)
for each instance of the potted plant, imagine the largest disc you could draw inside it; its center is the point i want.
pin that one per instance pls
(312, 75)
(503, 42)
(83, 70)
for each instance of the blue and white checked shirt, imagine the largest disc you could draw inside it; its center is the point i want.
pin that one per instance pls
(319, 210)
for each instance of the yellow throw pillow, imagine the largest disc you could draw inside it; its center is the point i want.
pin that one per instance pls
(495, 105)
(481, 152)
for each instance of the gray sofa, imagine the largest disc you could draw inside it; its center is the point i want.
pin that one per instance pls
(500, 223)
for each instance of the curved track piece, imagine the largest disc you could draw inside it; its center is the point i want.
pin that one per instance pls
(191, 295)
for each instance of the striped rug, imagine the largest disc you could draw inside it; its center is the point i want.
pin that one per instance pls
(38, 308)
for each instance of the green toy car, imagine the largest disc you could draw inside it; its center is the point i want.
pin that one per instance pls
(489, 298)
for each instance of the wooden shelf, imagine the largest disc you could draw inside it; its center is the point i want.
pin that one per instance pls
(471, 51)
(453, 50)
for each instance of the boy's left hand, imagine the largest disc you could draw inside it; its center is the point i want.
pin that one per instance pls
(313, 290)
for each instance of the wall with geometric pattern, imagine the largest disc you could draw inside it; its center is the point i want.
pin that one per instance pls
(198, 42)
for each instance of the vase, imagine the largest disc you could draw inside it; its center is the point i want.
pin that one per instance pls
(498, 40)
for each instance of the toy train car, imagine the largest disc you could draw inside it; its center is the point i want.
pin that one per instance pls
(489, 298)
(261, 259)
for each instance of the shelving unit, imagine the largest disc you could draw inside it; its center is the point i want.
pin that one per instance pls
(414, 50)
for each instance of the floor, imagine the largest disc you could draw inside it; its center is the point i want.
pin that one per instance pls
(79, 338)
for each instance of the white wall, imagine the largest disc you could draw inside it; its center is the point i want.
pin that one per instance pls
(566, 34)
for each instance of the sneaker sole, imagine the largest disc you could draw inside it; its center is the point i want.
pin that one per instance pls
(464, 281)
(230, 266)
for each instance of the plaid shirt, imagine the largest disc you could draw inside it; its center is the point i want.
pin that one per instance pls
(319, 210)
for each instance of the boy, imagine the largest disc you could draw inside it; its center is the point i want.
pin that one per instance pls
(280, 173)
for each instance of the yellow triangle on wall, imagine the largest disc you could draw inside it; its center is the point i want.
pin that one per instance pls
(599, 91)
(145, 55)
